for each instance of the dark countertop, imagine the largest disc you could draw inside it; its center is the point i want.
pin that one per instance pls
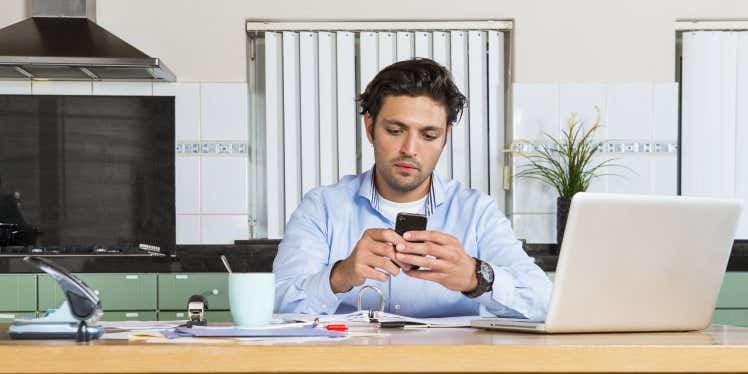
(249, 256)
(546, 256)
(254, 256)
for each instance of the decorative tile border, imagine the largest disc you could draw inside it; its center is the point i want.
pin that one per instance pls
(211, 148)
(608, 147)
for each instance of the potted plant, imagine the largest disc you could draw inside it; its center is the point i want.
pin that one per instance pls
(566, 164)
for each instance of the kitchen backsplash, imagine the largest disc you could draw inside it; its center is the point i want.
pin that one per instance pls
(211, 162)
(212, 150)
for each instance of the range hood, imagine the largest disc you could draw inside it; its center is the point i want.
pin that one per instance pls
(61, 41)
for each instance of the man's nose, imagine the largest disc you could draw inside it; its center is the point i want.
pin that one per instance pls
(409, 147)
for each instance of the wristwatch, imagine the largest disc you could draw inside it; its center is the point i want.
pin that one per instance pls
(484, 273)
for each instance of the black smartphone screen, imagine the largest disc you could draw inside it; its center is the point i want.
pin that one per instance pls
(410, 222)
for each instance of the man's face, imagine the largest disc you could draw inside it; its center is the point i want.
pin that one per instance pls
(409, 135)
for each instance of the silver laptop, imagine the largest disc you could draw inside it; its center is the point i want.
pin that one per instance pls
(636, 263)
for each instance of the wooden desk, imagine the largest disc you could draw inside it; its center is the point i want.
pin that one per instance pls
(717, 349)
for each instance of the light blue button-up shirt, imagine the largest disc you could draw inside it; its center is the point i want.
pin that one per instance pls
(330, 220)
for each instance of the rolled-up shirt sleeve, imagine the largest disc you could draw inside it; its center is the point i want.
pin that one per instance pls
(302, 266)
(520, 288)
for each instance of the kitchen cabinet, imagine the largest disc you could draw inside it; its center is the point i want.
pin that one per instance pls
(118, 292)
(18, 292)
(175, 289)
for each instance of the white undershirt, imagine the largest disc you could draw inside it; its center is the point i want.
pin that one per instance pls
(390, 209)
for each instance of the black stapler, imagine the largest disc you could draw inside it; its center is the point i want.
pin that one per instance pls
(76, 318)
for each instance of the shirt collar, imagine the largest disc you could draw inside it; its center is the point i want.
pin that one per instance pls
(368, 190)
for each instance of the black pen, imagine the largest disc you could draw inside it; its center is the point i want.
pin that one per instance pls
(397, 324)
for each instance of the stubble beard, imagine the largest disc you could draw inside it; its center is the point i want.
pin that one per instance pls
(403, 182)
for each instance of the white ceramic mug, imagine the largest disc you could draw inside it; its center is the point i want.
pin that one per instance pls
(251, 298)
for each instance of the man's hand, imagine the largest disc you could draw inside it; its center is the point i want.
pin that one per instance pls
(452, 267)
(375, 250)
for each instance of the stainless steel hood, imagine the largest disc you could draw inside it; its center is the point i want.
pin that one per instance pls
(61, 42)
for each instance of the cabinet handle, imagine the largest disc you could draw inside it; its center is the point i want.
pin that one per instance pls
(214, 292)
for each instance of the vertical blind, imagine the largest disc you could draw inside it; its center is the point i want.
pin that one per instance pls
(714, 123)
(312, 129)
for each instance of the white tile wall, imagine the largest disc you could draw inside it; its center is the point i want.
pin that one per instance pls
(634, 176)
(224, 229)
(186, 107)
(634, 112)
(210, 190)
(188, 229)
(531, 196)
(600, 183)
(536, 114)
(536, 111)
(536, 228)
(61, 88)
(581, 99)
(16, 87)
(630, 111)
(224, 111)
(210, 187)
(187, 189)
(665, 112)
(224, 185)
(665, 175)
(123, 88)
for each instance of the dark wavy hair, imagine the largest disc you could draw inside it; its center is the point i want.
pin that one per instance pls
(416, 77)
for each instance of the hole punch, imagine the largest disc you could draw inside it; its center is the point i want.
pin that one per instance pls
(77, 318)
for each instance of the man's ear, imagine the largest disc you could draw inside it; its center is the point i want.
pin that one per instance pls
(369, 124)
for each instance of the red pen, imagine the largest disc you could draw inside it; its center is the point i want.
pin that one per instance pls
(337, 327)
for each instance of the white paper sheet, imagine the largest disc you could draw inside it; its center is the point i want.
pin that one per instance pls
(362, 317)
(140, 325)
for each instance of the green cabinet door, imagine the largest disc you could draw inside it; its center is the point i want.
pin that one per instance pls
(116, 291)
(734, 292)
(175, 289)
(7, 317)
(135, 315)
(170, 315)
(735, 317)
(217, 316)
(17, 292)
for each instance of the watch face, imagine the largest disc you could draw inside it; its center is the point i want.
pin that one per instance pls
(486, 271)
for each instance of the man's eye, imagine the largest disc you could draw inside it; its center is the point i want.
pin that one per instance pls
(430, 137)
(393, 132)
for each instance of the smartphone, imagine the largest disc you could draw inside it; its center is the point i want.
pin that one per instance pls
(410, 222)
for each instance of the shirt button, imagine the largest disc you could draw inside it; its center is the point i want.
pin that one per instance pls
(397, 306)
(324, 305)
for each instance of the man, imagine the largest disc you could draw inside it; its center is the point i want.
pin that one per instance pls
(340, 237)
